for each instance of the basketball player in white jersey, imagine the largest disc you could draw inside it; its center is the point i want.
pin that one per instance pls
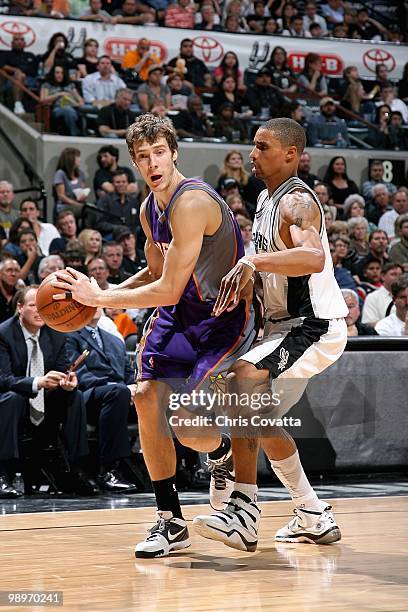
(304, 333)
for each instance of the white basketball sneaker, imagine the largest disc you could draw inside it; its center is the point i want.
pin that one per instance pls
(311, 527)
(169, 533)
(221, 481)
(236, 526)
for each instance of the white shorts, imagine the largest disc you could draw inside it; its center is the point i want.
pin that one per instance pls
(293, 351)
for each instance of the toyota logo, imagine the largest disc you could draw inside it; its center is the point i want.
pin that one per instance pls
(373, 57)
(209, 48)
(9, 28)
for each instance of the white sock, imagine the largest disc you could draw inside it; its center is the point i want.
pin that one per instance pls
(250, 490)
(291, 474)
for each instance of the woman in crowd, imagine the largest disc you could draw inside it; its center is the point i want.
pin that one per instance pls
(328, 217)
(249, 186)
(280, 71)
(30, 257)
(62, 95)
(271, 26)
(228, 92)
(245, 225)
(12, 245)
(237, 205)
(57, 53)
(358, 232)
(67, 179)
(91, 242)
(45, 232)
(229, 66)
(339, 248)
(180, 91)
(339, 183)
(287, 13)
(379, 137)
(87, 64)
(354, 206)
(312, 76)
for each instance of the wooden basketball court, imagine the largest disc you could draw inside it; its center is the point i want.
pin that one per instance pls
(89, 556)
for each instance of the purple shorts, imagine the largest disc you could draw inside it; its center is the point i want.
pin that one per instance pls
(185, 345)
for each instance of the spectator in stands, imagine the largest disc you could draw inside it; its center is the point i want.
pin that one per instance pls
(95, 13)
(399, 207)
(20, 336)
(270, 26)
(114, 119)
(107, 159)
(21, 8)
(9, 284)
(45, 232)
(229, 66)
(57, 53)
(228, 92)
(249, 186)
(22, 66)
(354, 98)
(328, 217)
(91, 242)
(340, 184)
(235, 201)
(396, 324)
(358, 232)
(398, 135)
(48, 265)
(181, 14)
(339, 250)
(57, 9)
(312, 76)
(88, 63)
(134, 12)
(380, 204)
(233, 24)
(98, 269)
(378, 302)
(7, 213)
(180, 92)
(209, 19)
(323, 193)
(264, 99)
(197, 72)
(378, 246)
(228, 126)
(63, 97)
(369, 28)
(399, 250)
(69, 178)
(333, 12)
(11, 245)
(296, 28)
(326, 128)
(339, 31)
(106, 380)
(100, 88)
(154, 92)
(133, 258)
(403, 84)
(303, 171)
(354, 206)
(281, 74)
(376, 173)
(193, 122)
(288, 11)
(354, 325)
(67, 227)
(121, 207)
(387, 96)
(256, 20)
(140, 59)
(112, 254)
(293, 110)
(311, 17)
(245, 225)
(30, 257)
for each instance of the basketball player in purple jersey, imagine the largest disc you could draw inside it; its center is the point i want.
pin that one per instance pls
(304, 333)
(192, 241)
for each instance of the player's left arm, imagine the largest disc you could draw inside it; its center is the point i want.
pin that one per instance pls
(305, 254)
(179, 264)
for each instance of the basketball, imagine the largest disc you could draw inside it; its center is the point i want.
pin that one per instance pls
(62, 315)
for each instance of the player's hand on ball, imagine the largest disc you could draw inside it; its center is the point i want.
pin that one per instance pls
(231, 287)
(76, 286)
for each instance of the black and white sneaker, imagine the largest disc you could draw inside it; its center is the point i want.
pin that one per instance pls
(236, 526)
(169, 533)
(310, 527)
(221, 481)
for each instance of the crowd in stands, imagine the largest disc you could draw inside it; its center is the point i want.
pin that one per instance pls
(93, 95)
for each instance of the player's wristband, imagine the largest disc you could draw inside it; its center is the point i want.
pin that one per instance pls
(248, 263)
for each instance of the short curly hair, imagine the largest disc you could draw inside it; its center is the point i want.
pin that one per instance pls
(149, 128)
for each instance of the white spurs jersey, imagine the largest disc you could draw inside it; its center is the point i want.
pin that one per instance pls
(315, 295)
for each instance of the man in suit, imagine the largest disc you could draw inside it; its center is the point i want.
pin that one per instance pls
(106, 380)
(36, 392)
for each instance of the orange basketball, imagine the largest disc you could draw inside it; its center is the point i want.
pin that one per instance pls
(61, 315)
